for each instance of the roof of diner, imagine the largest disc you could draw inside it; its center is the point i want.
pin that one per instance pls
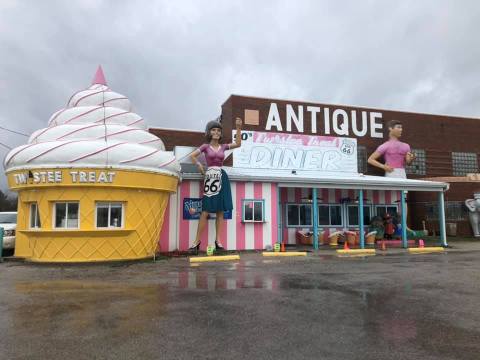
(321, 179)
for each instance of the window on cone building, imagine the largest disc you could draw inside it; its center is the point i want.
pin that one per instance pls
(34, 216)
(109, 215)
(66, 215)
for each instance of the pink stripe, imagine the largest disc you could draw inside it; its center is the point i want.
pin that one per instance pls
(298, 195)
(169, 162)
(150, 141)
(376, 197)
(274, 213)
(240, 226)
(120, 113)
(57, 115)
(284, 199)
(220, 283)
(114, 99)
(71, 97)
(98, 151)
(352, 194)
(202, 280)
(136, 121)
(82, 114)
(224, 232)
(18, 152)
(204, 236)
(183, 279)
(55, 147)
(388, 197)
(338, 195)
(42, 132)
(140, 157)
(119, 132)
(324, 195)
(86, 96)
(183, 228)
(74, 131)
(164, 233)
(258, 227)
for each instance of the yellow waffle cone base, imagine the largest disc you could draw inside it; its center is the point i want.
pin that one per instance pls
(143, 213)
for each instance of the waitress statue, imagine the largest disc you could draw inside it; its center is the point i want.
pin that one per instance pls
(217, 196)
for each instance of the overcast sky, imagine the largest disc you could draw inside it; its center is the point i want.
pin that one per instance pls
(178, 61)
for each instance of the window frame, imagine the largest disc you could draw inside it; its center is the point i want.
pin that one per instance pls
(460, 161)
(299, 225)
(37, 223)
(66, 215)
(420, 161)
(109, 203)
(261, 201)
(342, 220)
(369, 207)
(376, 206)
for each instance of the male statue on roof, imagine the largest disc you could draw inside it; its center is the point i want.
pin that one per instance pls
(396, 154)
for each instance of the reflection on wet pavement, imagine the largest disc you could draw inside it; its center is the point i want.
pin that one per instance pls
(320, 307)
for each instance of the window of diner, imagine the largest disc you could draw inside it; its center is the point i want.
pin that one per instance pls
(109, 214)
(34, 216)
(299, 215)
(66, 215)
(353, 215)
(418, 166)
(464, 163)
(330, 215)
(382, 210)
(362, 159)
(253, 210)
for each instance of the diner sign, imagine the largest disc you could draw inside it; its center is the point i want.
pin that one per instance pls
(271, 150)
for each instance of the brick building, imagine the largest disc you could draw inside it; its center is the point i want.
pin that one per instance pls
(440, 143)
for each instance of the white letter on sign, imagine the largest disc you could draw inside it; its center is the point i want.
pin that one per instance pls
(340, 129)
(291, 116)
(273, 118)
(374, 125)
(313, 111)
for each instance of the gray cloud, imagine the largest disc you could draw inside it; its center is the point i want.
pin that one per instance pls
(178, 61)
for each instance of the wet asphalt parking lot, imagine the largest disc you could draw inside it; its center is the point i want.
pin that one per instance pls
(397, 306)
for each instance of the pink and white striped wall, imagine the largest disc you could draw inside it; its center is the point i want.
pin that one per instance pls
(179, 234)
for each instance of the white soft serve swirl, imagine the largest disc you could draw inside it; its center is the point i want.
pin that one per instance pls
(96, 129)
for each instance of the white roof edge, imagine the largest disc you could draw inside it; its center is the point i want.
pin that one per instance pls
(348, 181)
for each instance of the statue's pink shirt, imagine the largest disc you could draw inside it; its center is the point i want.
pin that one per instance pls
(394, 152)
(212, 156)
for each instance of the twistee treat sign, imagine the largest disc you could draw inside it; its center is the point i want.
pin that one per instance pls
(269, 150)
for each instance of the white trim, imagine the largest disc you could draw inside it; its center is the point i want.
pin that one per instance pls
(66, 215)
(300, 225)
(110, 203)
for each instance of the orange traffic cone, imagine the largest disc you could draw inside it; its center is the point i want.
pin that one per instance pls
(421, 243)
(282, 248)
(345, 245)
(384, 246)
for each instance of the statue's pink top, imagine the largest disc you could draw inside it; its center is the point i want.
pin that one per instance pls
(394, 152)
(214, 157)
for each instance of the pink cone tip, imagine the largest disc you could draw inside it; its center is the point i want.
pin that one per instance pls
(99, 78)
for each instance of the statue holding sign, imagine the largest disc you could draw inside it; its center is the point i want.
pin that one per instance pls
(395, 153)
(217, 196)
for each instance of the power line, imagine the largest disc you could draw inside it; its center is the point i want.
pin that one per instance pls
(13, 131)
(6, 146)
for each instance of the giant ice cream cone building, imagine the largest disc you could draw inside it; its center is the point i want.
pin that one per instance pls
(93, 185)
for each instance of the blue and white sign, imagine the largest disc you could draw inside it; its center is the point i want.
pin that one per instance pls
(192, 208)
